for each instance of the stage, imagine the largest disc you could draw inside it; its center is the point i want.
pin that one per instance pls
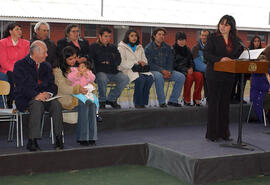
(168, 139)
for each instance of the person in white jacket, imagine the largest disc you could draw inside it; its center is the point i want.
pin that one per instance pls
(134, 65)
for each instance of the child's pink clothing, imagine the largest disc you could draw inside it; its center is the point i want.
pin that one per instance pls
(81, 80)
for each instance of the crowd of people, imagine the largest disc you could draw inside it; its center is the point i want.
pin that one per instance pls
(39, 69)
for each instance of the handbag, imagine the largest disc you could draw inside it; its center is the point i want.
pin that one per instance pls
(141, 69)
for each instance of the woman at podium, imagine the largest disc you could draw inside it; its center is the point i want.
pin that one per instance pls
(222, 45)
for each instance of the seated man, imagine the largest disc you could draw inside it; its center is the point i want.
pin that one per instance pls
(34, 84)
(106, 59)
(160, 58)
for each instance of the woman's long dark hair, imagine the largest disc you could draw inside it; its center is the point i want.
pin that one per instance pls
(66, 53)
(126, 39)
(10, 26)
(251, 45)
(231, 21)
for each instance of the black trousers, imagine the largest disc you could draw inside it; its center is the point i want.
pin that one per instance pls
(219, 93)
(36, 109)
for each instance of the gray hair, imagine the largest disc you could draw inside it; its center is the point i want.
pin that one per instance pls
(37, 26)
(36, 45)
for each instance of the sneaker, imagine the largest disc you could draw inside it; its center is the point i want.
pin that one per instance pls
(174, 104)
(113, 104)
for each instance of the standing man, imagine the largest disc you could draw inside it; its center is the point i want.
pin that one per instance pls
(107, 59)
(199, 61)
(34, 84)
(41, 30)
(160, 58)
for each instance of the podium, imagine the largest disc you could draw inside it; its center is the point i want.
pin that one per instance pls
(242, 67)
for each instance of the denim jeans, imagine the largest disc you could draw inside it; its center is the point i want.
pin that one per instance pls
(177, 77)
(3, 77)
(121, 81)
(141, 90)
(87, 123)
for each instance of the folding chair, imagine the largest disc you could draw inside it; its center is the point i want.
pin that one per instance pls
(249, 112)
(9, 115)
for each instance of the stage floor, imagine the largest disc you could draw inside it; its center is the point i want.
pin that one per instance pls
(188, 140)
(175, 146)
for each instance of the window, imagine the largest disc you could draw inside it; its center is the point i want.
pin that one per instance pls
(90, 30)
(146, 35)
(250, 35)
(2, 28)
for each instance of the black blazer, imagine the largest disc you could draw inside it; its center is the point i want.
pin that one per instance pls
(26, 76)
(81, 52)
(214, 50)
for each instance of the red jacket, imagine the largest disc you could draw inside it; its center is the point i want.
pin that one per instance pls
(10, 54)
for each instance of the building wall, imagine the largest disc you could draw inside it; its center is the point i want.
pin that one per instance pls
(58, 30)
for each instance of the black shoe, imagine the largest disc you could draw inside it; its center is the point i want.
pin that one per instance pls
(174, 104)
(32, 145)
(113, 104)
(187, 104)
(163, 105)
(139, 106)
(92, 142)
(99, 119)
(227, 139)
(83, 143)
(102, 105)
(59, 143)
(196, 104)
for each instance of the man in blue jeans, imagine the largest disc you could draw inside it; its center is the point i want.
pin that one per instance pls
(107, 58)
(160, 58)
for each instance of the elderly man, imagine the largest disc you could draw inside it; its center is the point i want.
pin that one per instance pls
(160, 58)
(41, 30)
(34, 85)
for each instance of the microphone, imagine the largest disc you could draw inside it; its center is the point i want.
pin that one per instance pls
(243, 45)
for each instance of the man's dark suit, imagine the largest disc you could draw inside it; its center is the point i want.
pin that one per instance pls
(29, 82)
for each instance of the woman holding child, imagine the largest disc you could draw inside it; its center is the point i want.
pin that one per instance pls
(86, 126)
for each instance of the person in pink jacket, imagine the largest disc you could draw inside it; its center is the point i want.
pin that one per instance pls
(12, 49)
(83, 76)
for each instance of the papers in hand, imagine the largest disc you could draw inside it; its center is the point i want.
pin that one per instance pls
(52, 98)
(254, 54)
(6, 111)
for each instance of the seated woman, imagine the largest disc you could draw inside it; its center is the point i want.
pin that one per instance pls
(86, 124)
(12, 49)
(260, 89)
(72, 38)
(183, 62)
(132, 56)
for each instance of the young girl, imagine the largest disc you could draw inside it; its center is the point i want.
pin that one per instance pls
(83, 76)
